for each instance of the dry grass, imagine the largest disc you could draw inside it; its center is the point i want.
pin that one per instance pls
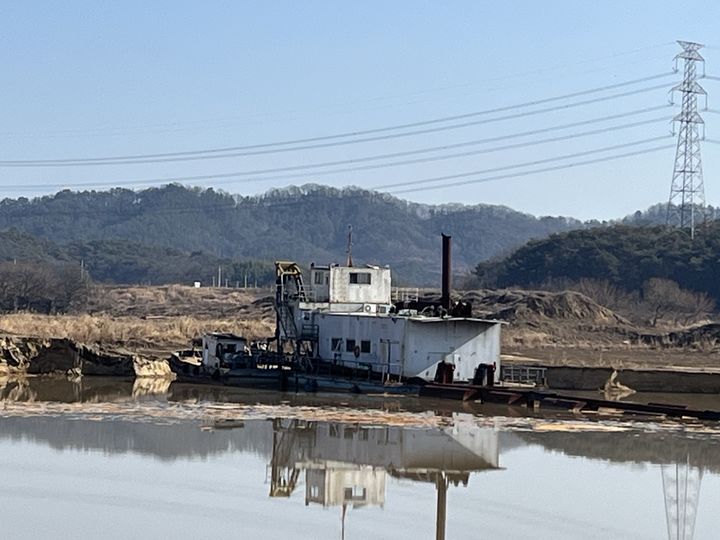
(130, 332)
(152, 318)
(160, 319)
(179, 300)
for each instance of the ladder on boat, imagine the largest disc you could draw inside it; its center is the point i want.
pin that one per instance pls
(289, 292)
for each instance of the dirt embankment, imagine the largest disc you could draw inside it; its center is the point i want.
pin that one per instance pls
(535, 306)
(568, 328)
(37, 356)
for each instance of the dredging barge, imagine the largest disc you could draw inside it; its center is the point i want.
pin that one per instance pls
(344, 324)
(344, 331)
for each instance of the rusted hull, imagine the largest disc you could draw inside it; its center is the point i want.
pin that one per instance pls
(539, 399)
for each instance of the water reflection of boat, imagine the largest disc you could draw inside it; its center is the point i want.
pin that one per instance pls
(347, 465)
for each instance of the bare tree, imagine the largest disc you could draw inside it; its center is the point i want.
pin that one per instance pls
(664, 298)
(41, 287)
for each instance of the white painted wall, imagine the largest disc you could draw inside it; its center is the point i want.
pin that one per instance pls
(409, 345)
(360, 328)
(461, 342)
(379, 290)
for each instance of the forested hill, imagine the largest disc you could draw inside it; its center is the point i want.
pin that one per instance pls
(626, 256)
(307, 224)
(121, 261)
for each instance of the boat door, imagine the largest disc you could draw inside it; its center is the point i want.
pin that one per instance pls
(390, 357)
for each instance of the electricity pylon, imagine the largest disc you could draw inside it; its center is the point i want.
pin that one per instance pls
(687, 193)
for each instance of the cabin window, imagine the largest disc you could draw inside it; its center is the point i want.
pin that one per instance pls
(364, 346)
(360, 278)
(230, 348)
(336, 344)
(350, 345)
(319, 278)
(355, 493)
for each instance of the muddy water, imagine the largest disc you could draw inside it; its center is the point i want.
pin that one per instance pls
(107, 459)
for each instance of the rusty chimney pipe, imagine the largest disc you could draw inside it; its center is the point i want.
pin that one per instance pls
(446, 270)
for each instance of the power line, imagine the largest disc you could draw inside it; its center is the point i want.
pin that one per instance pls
(469, 153)
(277, 147)
(474, 142)
(251, 203)
(521, 165)
(475, 172)
(368, 158)
(537, 171)
(256, 202)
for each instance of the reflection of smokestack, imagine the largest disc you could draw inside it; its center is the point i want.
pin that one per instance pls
(446, 270)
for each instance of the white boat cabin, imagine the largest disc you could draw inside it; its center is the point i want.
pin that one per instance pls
(217, 347)
(407, 346)
(349, 289)
(348, 310)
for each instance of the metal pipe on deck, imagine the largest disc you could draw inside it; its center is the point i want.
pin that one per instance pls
(441, 484)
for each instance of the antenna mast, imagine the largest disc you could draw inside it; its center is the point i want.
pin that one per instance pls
(687, 193)
(349, 246)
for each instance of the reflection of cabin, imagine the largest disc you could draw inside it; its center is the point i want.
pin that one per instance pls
(217, 347)
(342, 484)
(347, 464)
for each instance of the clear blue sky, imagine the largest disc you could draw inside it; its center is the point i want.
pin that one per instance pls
(93, 78)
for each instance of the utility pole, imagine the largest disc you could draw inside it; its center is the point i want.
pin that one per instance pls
(686, 206)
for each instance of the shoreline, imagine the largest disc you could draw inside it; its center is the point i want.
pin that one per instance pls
(32, 356)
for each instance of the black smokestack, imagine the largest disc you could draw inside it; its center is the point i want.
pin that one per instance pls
(446, 270)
